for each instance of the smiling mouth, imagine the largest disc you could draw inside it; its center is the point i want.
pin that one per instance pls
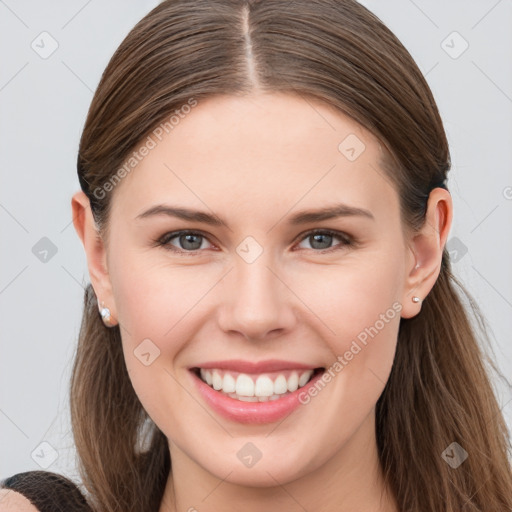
(261, 387)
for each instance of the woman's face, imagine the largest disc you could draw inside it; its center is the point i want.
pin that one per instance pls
(257, 285)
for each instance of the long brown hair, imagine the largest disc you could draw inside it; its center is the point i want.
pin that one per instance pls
(336, 51)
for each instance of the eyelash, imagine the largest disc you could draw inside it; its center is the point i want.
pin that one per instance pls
(346, 241)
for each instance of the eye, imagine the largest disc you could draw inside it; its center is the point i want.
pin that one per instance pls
(193, 241)
(183, 241)
(322, 239)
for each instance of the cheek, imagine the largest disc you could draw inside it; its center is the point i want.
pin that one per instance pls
(351, 297)
(356, 311)
(159, 308)
(156, 309)
(153, 298)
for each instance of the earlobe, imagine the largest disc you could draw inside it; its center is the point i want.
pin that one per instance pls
(426, 251)
(95, 251)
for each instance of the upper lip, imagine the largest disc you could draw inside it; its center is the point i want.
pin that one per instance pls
(270, 365)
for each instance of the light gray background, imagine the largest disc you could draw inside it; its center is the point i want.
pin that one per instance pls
(43, 103)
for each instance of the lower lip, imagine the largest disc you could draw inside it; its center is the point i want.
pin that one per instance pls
(252, 412)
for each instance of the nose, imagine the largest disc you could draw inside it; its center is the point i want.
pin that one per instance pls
(256, 302)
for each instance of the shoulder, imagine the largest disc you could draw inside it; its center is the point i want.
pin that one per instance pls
(40, 491)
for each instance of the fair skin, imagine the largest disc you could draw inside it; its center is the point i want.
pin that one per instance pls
(12, 501)
(255, 162)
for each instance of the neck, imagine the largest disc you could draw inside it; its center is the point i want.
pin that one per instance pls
(351, 480)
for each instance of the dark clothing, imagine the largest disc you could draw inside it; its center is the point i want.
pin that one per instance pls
(47, 491)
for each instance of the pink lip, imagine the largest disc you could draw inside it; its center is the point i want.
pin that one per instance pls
(271, 365)
(252, 412)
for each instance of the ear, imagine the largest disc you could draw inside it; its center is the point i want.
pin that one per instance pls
(95, 250)
(426, 251)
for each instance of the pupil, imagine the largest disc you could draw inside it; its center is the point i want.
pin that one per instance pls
(185, 240)
(326, 241)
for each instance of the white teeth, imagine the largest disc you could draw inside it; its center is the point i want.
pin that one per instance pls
(280, 385)
(244, 385)
(216, 380)
(262, 389)
(303, 379)
(207, 376)
(228, 384)
(293, 382)
(264, 386)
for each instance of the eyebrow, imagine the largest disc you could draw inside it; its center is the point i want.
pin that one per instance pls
(303, 217)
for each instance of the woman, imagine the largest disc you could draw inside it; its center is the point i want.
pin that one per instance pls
(272, 321)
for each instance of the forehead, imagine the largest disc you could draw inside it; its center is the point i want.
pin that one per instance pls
(265, 149)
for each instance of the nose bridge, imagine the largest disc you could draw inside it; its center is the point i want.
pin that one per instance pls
(257, 302)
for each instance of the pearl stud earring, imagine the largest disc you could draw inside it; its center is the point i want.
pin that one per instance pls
(416, 299)
(106, 315)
